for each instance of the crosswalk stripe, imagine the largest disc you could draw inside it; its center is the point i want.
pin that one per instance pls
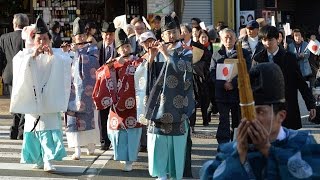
(30, 178)
(19, 147)
(17, 155)
(60, 168)
(11, 149)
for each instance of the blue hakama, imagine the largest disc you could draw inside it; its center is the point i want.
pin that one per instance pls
(125, 143)
(167, 154)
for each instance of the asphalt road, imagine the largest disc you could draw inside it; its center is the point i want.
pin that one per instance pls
(100, 165)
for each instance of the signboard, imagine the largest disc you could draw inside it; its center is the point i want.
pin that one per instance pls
(160, 7)
(245, 17)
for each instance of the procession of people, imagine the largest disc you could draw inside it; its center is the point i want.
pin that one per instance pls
(138, 89)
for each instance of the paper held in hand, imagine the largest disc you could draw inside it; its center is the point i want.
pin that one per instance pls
(228, 70)
(197, 54)
(314, 47)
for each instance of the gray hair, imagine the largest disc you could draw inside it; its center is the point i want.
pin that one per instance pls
(20, 20)
(187, 26)
(227, 30)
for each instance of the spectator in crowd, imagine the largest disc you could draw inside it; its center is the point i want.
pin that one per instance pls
(212, 109)
(251, 41)
(201, 76)
(107, 51)
(212, 35)
(91, 29)
(10, 44)
(129, 30)
(156, 24)
(220, 25)
(293, 78)
(195, 22)
(55, 34)
(226, 90)
(281, 40)
(195, 34)
(139, 28)
(300, 49)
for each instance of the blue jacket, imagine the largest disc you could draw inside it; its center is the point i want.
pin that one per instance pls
(303, 63)
(295, 156)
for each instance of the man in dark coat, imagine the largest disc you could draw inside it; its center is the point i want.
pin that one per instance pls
(10, 44)
(55, 33)
(226, 90)
(107, 51)
(106, 46)
(292, 76)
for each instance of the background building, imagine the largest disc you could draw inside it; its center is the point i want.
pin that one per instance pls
(301, 14)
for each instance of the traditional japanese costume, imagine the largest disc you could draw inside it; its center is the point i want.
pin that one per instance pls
(292, 155)
(167, 101)
(41, 89)
(124, 131)
(82, 128)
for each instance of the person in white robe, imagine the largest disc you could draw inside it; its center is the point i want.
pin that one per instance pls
(41, 78)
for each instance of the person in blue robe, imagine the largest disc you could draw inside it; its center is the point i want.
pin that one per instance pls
(81, 119)
(274, 152)
(168, 102)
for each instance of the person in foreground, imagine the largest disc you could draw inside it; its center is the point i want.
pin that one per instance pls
(275, 152)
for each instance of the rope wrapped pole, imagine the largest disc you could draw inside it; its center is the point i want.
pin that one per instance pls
(245, 91)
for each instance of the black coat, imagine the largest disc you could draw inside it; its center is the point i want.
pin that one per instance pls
(10, 44)
(221, 95)
(56, 39)
(102, 52)
(293, 82)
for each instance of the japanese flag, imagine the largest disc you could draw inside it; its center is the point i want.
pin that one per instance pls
(314, 47)
(224, 71)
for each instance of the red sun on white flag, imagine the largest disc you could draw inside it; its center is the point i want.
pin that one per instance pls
(223, 71)
(314, 47)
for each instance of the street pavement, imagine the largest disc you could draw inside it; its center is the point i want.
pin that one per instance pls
(100, 165)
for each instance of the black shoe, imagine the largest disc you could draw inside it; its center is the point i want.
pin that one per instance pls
(192, 129)
(105, 147)
(206, 124)
(13, 136)
(143, 149)
(209, 116)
